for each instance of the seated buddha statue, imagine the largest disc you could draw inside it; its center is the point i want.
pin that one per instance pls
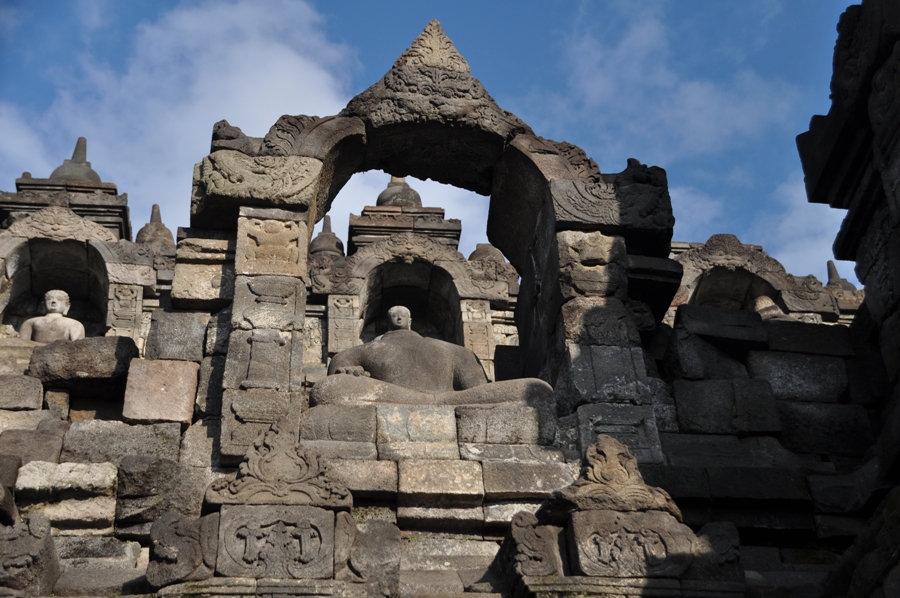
(53, 325)
(403, 367)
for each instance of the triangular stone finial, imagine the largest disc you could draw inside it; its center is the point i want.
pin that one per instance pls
(79, 156)
(154, 214)
(326, 225)
(433, 48)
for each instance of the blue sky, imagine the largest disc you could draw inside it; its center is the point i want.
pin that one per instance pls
(714, 91)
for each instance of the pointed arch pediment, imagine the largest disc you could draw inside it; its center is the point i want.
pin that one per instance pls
(59, 224)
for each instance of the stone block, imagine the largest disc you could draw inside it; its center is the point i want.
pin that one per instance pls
(217, 331)
(100, 581)
(348, 423)
(209, 386)
(446, 554)
(729, 329)
(812, 339)
(411, 423)
(705, 450)
(692, 358)
(680, 481)
(459, 520)
(269, 541)
(825, 429)
(726, 406)
(269, 302)
(160, 391)
(509, 452)
(176, 335)
(663, 405)
(502, 424)
(15, 354)
(200, 443)
(259, 359)
(500, 513)
(57, 402)
(598, 321)
(757, 483)
(77, 498)
(430, 583)
(22, 420)
(96, 358)
(202, 286)
(83, 552)
(366, 479)
(150, 487)
(523, 480)
(632, 425)
(833, 526)
(20, 393)
(32, 445)
(9, 470)
(798, 377)
(705, 406)
(343, 449)
(247, 413)
(416, 432)
(30, 544)
(440, 483)
(98, 441)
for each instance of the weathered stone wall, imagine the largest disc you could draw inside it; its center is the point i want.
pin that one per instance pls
(850, 158)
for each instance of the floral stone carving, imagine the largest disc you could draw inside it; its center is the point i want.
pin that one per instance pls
(610, 480)
(59, 223)
(278, 470)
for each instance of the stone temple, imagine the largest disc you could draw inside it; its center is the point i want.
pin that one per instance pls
(581, 408)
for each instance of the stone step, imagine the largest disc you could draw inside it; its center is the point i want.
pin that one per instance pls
(85, 552)
(101, 582)
(429, 583)
(435, 554)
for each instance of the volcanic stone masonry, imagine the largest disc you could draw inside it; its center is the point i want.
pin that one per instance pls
(582, 407)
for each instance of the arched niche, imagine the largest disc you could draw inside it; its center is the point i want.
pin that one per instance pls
(732, 288)
(425, 289)
(37, 265)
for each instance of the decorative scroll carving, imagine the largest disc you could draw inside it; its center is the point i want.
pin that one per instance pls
(272, 302)
(536, 546)
(279, 141)
(182, 549)
(278, 470)
(610, 479)
(343, 322)
(277, 179)
(276, 542)
(59, 223)
(613, 544)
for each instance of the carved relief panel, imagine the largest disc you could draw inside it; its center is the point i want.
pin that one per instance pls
(271, 242)
(123, 314)
(276, 542)
(343, 322)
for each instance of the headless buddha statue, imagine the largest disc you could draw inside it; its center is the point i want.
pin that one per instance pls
(403, 367)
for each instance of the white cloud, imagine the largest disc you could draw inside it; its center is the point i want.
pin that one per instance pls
(626, 88)
(244, 61)
(800, 234)
(695, 214)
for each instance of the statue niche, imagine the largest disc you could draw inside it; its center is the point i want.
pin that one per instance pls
(401, 366)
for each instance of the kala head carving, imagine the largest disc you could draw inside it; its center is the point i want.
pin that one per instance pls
(53, 326)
